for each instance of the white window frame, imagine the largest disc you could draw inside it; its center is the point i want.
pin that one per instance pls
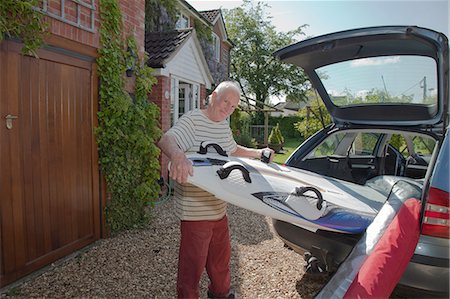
(216, 46)
(173, 100)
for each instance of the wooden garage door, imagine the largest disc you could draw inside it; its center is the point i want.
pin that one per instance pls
(49, 176)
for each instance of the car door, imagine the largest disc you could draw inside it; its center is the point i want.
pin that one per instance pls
(362, 159)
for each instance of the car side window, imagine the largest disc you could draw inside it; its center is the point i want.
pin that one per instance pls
(398, 142)
(328, 147)
(364, 144)
(423, 146)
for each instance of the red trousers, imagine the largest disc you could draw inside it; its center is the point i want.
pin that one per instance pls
(204, 244)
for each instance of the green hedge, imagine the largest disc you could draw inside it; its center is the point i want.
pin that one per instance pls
(286, 124)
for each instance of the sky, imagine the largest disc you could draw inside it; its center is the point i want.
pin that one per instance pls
(335, 15)
(327, 16)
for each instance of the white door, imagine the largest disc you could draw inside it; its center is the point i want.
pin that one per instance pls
(184, 97)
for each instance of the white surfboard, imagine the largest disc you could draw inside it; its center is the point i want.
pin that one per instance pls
(285, 193)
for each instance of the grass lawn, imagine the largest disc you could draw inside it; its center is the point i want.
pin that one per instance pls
(289, 146)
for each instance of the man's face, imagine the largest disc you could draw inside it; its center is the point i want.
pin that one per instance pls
(225, 103)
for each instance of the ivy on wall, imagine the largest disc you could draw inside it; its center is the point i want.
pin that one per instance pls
(160, 15)
(203, 31)
(128, 127)
(20, 18)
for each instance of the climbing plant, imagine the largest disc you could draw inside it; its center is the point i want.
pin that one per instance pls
(203, 31)
(22, 19)
(160, 15)
(128, 127)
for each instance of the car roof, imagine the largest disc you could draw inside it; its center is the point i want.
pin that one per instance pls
(316, 52)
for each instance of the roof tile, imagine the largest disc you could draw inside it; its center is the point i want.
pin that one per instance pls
(160, 45)
(210, 15)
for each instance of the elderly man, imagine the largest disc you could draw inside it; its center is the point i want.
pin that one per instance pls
(205, 241)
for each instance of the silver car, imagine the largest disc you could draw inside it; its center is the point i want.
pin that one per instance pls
(387, 90)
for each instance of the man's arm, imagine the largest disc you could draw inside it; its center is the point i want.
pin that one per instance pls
(246, 152)
(180, 166)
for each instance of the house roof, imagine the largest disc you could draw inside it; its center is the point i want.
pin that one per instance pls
(160, 45)
(295, 106)
(213, 16)
(210, 15)
(189, 7)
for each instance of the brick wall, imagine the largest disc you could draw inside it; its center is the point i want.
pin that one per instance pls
(225, 49)
(70, 31)
(158, 96)
(133, 13)
(202, 96)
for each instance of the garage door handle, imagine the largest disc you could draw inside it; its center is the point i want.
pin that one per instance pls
(9, 118)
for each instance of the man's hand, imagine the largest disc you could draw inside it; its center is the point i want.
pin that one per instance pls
(180, 168)
(268, 150)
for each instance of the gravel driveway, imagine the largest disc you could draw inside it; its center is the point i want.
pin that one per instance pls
(143, 264)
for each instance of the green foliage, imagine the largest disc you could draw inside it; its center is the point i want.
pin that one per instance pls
(275, 136)
(421, 145)
(128, 127)
(240, 126)
(374, 96)
(203, 31)
(244, 139)
(252, 62)
(314, 118)
(287, 125)
(19, 18)
(160, 15)
(280, 136)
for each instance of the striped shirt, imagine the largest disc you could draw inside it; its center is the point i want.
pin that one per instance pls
(194, 127)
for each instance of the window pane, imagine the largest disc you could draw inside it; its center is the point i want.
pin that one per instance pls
(182, 22)
(364, 144)
(216, 46)
(327, 147)
(423, 146)
(398, 142)
(181, 101)
(390, 79)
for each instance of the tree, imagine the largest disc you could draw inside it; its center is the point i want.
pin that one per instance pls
(314, 116)
(252, 62)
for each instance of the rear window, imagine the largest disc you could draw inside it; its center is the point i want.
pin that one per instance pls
(381, 80)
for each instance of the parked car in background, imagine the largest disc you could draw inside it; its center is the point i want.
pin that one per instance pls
(387, 90)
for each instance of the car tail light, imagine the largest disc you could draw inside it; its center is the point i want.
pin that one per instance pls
(437, 211)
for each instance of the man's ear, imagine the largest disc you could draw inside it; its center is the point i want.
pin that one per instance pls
(213, 97)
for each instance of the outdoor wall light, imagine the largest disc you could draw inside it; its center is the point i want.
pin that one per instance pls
(131, 59)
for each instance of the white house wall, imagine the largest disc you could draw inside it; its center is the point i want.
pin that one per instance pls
(186, 64)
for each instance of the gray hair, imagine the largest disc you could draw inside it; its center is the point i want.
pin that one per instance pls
(226, 85)
(223, 86)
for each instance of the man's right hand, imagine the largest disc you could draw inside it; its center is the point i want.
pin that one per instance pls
(180, 168)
